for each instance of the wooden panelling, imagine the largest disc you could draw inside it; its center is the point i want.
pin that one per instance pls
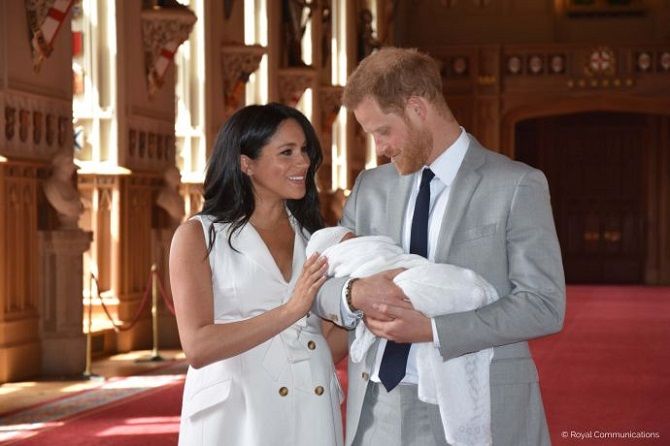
(597, 168)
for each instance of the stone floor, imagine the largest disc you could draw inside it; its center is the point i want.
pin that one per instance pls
(20, 395)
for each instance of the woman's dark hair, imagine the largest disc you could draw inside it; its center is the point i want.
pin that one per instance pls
(228, 192)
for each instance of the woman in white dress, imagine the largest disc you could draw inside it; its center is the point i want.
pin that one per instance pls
(261, 371)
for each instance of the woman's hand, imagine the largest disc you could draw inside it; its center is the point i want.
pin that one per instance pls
(311, 278)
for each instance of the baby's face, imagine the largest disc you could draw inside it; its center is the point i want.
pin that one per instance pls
(347, 236)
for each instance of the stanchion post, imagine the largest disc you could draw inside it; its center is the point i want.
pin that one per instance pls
(155, 355)
(89, 345)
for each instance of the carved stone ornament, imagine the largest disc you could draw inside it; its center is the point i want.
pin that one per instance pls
(601, 62)
(292, 84)
(459, 65)
(238, 62)
(151, 146)
(24, 124)
(37, 127)
(296, 16)
(367, 39)
(50, 132)
(643, 60)
(163, 30)
(331, 101)
(535, 64)
(514, 65)
(143, 144)
(664, 61)
(45, 18)
(10, 122)
(557, 63)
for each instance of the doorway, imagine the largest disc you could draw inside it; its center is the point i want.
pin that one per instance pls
(597, 165)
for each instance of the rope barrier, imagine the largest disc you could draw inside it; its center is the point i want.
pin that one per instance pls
(168, 303)
(155, 286)
(123, 327)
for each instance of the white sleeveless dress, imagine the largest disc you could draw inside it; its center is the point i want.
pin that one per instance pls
(281, 392)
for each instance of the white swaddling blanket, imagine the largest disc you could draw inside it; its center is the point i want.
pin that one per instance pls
(459, 386)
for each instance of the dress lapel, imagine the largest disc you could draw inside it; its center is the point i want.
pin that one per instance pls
(299, 246)
(461, 191)
(249, 242)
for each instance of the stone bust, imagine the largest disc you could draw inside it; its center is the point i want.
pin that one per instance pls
(168, 196)
(61, 194)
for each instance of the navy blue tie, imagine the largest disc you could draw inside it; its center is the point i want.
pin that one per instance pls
(394, 361)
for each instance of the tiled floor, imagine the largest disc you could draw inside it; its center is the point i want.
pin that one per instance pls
(20, 395)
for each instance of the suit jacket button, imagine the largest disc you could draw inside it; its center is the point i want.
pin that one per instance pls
(318, 390)
(365, 376)
(283, 391)
(311, 345)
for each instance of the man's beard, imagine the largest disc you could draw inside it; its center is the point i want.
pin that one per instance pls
(416, 152)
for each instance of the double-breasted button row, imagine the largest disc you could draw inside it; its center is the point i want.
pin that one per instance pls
(283, 391)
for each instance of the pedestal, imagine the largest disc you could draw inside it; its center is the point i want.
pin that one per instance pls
(61, 305)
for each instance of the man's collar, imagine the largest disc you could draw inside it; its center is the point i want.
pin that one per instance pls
(445, 167)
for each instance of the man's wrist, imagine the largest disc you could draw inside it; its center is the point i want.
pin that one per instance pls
(348, 295)
(350, 318)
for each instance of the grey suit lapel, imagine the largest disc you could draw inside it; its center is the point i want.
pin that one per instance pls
(462, 188)
(396, 202)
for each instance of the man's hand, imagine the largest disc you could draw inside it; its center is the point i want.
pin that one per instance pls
(376, 290)
(401, 324)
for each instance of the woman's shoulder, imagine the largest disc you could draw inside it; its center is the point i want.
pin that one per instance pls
(207, 220)
(191, 228)
(189, 237)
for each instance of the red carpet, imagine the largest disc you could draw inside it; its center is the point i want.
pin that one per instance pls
(148, 419)
(604, 376)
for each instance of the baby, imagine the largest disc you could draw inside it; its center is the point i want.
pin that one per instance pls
(433, 289)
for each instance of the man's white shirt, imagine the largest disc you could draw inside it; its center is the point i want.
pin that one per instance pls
(445, 168)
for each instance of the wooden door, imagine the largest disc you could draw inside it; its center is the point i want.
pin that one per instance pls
(595, 164)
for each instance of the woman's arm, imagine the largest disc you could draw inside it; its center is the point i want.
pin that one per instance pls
(191, 280)
(337, 339)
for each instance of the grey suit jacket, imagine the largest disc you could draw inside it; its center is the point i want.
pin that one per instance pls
(498, 223)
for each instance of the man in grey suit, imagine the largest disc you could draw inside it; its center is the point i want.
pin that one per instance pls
(445, 197)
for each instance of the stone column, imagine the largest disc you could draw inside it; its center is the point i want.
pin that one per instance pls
(170, 213)
(146, 148)
(35, 124)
